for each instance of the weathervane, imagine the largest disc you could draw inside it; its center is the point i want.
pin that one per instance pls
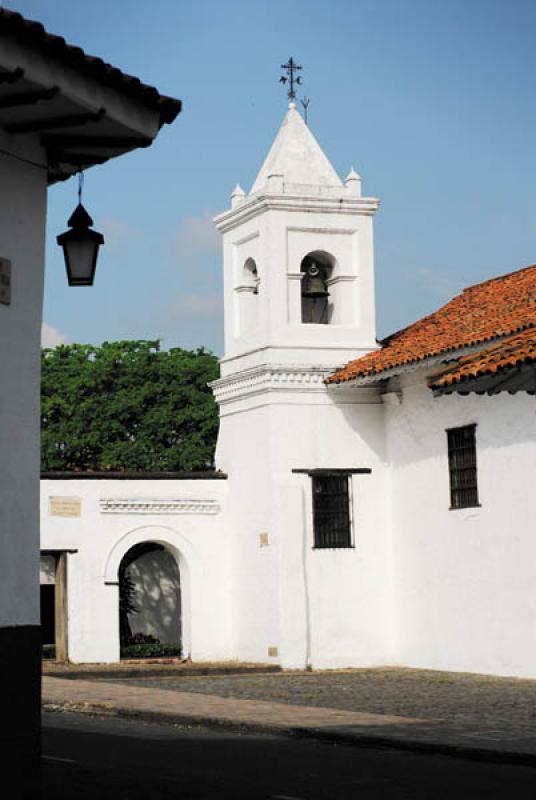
(291, 67)
(305, 103)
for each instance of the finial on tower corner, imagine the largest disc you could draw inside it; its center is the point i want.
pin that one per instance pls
(237, 196)
(291, 67)
(353, 183)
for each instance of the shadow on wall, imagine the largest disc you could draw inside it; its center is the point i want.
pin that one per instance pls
(416, 429)
(155, 580)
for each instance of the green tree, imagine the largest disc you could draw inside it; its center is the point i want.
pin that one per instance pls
(127, 406)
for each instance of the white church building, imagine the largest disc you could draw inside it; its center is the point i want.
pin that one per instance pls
(372, 503)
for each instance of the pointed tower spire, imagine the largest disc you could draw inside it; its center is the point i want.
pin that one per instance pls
(297, 156)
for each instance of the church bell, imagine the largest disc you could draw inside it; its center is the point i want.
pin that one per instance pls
(314, 282)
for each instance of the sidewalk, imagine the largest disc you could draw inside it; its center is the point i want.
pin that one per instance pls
(355, 727)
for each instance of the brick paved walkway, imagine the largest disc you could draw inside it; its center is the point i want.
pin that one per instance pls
(497, 720)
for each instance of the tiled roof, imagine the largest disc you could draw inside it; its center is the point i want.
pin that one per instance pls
(34, 35)
(483, 312)
(520, 348)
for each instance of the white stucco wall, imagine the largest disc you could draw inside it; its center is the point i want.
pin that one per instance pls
(115, 515)
(327, 608)
(22, 236)
(464, 579)
(244, 444)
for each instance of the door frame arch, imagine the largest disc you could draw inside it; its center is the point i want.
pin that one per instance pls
(183, 552)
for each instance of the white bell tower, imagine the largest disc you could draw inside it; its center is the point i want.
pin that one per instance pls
(299, 221)
(299, 301)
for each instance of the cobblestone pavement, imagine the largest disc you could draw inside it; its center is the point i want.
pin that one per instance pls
(499, 706)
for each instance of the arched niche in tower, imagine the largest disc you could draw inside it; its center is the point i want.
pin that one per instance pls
(317, 268)
(248, 297)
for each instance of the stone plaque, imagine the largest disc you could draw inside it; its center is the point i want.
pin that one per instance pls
(5, 281)
(64, 506)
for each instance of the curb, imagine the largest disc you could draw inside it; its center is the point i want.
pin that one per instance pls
(158, 670)
(333, 735)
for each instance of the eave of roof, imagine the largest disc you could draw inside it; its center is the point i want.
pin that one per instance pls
(34, 35)
(481, 313)
(511, 352)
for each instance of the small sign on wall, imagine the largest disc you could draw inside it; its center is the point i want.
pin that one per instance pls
(5, 281)
(64, 506)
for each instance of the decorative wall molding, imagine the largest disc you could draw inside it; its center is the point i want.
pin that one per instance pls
(300, 198)
(268, 378)
(124, 505)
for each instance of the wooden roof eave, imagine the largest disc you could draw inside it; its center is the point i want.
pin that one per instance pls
(79, 123)
(521, 378)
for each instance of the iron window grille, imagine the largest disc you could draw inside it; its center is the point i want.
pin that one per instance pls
(462, 467)
(332, 523)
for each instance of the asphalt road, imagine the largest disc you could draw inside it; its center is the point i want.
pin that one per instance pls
(87, 757)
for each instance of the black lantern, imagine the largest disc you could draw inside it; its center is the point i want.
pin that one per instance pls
(80, 248)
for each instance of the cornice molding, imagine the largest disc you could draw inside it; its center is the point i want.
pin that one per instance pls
(125, 505)
(266, 378)
(366, 206)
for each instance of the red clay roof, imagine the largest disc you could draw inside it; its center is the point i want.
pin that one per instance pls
(34, 35)
(488, 310)
(520, 348)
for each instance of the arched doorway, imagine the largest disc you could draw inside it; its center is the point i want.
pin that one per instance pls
(150, 608)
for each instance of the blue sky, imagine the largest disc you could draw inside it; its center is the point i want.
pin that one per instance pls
(433, 102)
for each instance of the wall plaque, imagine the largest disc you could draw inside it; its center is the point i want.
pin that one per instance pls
(5, 281)
(64, 506)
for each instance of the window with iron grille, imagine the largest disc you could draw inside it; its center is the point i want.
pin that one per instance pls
(462, 467)
(331, 510)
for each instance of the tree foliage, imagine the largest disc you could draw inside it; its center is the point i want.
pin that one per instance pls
(127, 406)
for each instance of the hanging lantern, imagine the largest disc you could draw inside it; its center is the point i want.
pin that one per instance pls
(80, 245)
(314, 282)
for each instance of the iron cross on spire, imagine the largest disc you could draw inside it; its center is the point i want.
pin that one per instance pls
(291, 67)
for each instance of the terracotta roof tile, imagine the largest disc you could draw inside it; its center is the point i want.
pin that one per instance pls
(520, 348)
(488, 310)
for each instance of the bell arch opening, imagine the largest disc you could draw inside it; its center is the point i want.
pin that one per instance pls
(251, 275)
(150, 603)
(248, 291)
(317, 268)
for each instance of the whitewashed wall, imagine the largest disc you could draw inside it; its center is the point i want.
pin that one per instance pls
(464, 579)
(327, 608)
(114, 516)
(22, 236)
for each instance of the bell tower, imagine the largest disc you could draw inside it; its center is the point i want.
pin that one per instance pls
(298, 261)
(299, 301)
